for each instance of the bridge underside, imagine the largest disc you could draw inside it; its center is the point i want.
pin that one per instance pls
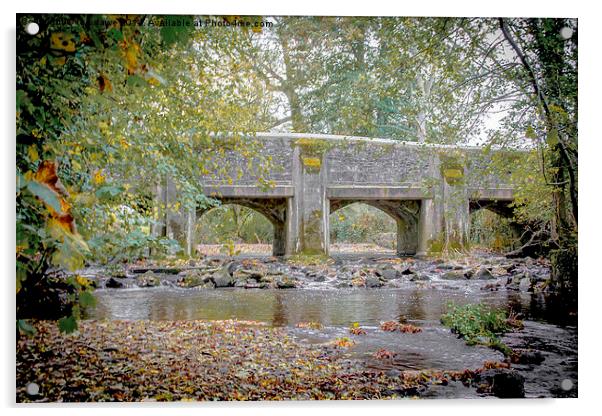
(414, 210)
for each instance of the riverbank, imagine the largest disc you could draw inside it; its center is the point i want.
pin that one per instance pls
(220, 360)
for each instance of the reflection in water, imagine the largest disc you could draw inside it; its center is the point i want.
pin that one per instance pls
(435, 347)
(329, 307)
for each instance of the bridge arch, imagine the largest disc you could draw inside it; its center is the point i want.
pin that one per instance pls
(273, 209)
(405, 213)
(503, 209)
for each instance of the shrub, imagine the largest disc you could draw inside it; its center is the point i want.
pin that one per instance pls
(478, 324)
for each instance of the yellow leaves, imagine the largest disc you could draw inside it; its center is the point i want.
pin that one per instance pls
(103, 126)
(154, 81)
(453, 173)
(60, 61)
(85, 199)
(58, 229)
(124, 143)
(84, 38)
(83, 281)
(98, 178)
(61, 41)
(130, 51)
(311, 162)
(32, 152)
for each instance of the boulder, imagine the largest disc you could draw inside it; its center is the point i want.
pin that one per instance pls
(319, 278)
(525, 284)
(393, 373)
(529, 357)
(193, 279)
(373, 282)
(343, 276)
(285, 283)
(491, 286)
(508, 384)
(208, 284)
(504, 383)
(148, 279)
(240, 283)
(483, 273)
(223, 278)
(118, 274)
(358, 281)
(389, 274)
(242, 274)
(419, 277)
(111, 283)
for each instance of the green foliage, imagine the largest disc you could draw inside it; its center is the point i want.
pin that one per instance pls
(114, 109)
(477, 324)
(68, 324)
(120, 233)
(25, 327)
(236, 224)
(360, 223)
(490, 230)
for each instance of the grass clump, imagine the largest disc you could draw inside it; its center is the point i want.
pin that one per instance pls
(478, 324)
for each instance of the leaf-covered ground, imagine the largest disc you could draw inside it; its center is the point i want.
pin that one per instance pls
(195, 360)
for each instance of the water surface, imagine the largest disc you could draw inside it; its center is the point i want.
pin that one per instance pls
(549, 326)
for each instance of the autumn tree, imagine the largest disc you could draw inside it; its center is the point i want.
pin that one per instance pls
(108, 107)
(547, 52)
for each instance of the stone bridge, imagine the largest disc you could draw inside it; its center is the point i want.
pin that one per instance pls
(429, 190)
